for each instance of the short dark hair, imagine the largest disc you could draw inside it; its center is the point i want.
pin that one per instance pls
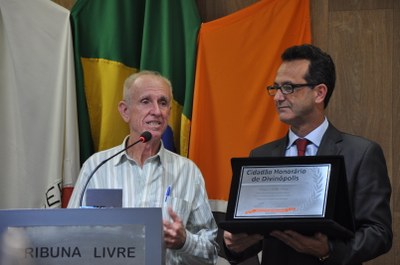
(321, 69)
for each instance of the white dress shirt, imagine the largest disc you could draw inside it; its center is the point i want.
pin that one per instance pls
(314, 137)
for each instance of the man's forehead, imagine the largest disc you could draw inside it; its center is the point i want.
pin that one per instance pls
(151, 85)
(150, 81)
(295, 68)
(157, 93)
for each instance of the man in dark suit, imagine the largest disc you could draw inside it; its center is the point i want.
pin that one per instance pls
(303, 86)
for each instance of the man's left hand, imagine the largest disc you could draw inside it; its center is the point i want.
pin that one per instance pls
(316, 245)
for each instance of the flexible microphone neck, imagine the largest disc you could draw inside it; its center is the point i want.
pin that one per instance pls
(144, 137)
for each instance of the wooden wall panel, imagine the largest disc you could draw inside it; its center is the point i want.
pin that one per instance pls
(341, 5)
(65, 3)
(362, 50)
(211, 10)
(396, 133)
(361, 44)
(319, 13)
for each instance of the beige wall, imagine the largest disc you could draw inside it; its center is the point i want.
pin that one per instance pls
(363, 38)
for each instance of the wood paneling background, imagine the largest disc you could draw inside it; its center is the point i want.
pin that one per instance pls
(363, 37)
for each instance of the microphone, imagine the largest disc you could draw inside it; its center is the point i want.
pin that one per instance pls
(144, 137)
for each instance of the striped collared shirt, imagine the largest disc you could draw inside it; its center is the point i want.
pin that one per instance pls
(146, 187)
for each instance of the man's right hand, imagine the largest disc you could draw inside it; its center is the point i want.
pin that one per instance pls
(237, 243)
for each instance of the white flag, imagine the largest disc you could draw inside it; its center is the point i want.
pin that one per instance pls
(39, 149)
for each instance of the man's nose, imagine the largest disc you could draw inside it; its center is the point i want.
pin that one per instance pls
(279, 95)
(156, 108)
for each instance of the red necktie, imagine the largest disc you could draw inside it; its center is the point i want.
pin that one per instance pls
(301, 144)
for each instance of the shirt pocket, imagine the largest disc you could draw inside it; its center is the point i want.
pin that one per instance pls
(179, 206)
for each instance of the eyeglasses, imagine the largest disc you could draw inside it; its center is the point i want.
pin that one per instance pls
(286, 88)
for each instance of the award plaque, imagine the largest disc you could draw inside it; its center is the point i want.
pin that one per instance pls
(306, 194)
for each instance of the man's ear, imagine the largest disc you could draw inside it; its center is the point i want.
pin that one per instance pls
(320, 91)
(124, 110)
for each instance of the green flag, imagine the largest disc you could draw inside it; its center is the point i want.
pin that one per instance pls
(113, 39)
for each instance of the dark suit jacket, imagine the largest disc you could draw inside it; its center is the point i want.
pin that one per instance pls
(369, 192)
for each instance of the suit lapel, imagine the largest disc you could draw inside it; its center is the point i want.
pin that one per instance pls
(331, 142)
(280, 147)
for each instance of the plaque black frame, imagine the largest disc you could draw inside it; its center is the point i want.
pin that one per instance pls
(338, 220)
